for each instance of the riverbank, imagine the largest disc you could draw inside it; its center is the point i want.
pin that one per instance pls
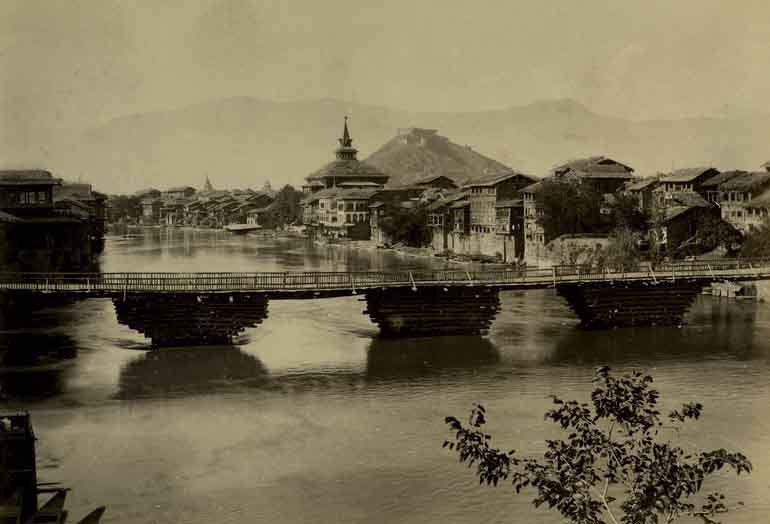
(416, 252)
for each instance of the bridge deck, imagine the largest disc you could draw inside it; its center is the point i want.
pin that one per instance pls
(310, 284)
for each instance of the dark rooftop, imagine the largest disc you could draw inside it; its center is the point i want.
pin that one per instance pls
(688, 174)
(595, 167)
(26, 177)
(496, 178)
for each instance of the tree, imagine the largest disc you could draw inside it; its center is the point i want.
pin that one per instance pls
(569, 208)
(627, 215)
(286, 207)
(406, 224)
(757, 243)
(613, 466)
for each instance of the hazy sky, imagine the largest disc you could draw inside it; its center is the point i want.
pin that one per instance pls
(80, 62)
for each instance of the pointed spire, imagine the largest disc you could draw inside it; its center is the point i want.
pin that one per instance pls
(346, 141)
(346, 151)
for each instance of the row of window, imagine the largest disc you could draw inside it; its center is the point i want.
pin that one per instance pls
(27, 197)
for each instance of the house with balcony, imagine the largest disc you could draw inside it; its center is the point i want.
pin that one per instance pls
(484, 195)
(534, 233)
(35, 235)
(688, 180)
(603, 174)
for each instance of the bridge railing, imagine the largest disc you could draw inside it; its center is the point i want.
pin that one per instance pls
(273, 281)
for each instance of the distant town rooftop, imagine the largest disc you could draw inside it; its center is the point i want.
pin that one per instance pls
(716, 180)
(643, 183)
(496, 178)
(689, 174)
(595, 167)
(27, 177)
(746, 181)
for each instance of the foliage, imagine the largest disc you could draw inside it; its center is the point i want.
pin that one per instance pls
(712, 233)
(125, 208)
(613, 466)
(286, 208)
(408, 225)
(626, 214)
(569, 208)
(621, 252)
(757, 243)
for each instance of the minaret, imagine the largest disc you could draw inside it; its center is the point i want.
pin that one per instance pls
(207, 186)
(346, 151)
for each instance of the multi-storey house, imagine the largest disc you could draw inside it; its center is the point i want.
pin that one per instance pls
(484, 194)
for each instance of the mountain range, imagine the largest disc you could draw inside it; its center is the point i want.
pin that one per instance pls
(243, 141)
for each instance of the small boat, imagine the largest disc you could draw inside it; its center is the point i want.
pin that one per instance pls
(242, 228)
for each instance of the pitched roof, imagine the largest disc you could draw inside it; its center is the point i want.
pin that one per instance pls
(716, 180)
(675, 211)
(595, 167)
(27, 177)
(513, 202)
(641, 183)
(688, 174)
(687, 199)
(532, 188)
(342, 193)
(496, 178)
(432, 178)
(346, 167)
(761, 201)
(746, 182)
(447, 199)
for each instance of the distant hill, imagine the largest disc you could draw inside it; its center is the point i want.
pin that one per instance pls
(416, 153)
(243, 141)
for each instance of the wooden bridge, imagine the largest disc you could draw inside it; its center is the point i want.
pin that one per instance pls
(211, 307)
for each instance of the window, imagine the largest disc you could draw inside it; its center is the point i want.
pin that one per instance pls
(28, 197)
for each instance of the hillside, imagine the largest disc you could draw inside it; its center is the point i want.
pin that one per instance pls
(417, 153)
(244, 141)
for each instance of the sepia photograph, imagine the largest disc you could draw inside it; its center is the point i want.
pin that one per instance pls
(351, 261)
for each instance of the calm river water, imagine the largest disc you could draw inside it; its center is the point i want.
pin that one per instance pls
(311, 418)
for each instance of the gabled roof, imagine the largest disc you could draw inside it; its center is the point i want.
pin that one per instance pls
(497, 178)
(746, 182)
(532, 188)
(447, 200)
(27, 177)
(716, 180)
(433, 178)
(641, 183)
(595, 167)
(686, 198)
(688, 174)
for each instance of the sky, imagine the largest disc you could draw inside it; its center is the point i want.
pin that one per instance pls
(76, 63)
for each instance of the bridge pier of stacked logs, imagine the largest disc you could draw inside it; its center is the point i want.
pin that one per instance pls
(433, 311)
(633, 303)
(184, 319)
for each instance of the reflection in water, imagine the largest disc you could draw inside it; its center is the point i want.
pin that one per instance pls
(420, 357)
(323, 419)
(32, 364)
(188, 370)
(715, 329)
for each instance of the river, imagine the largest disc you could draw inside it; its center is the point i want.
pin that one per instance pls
(311, 418)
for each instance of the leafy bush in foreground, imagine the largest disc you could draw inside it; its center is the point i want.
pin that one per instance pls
(613, 467)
